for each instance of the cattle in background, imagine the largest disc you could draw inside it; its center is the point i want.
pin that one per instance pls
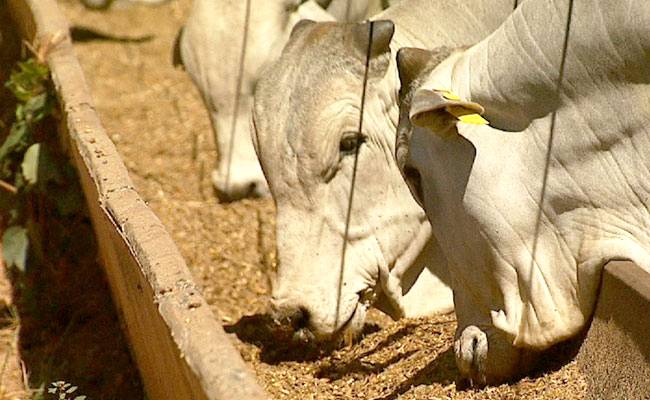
(223, 46)
(528, 210)
(305, 117)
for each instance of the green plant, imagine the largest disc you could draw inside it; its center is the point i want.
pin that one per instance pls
(64, 391)
(36, 179)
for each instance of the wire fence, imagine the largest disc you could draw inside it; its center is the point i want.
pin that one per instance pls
(354, 171)
(237, 100)
(551, 136)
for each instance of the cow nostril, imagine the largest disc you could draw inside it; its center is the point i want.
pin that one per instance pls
(300, 319)
(252, 190)
(293, 317)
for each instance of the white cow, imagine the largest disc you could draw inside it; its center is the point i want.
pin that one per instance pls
(210, 48)
(305, 118)
(527, 224)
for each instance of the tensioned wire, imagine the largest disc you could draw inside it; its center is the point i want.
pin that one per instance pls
(240, 80)
(558, 91)
(354, 172)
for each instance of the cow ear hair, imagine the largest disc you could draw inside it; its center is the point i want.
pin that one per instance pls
(301, 26)
(432, 110)
(382, 34)
(411, 62)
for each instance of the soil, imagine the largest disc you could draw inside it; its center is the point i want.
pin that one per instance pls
(155, 117)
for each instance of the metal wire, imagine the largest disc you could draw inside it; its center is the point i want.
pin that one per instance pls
(354, 174)
(240, 80)
(551, 136)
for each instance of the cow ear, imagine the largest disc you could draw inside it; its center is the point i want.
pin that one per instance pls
(439, 111)
(300, 26)
(382, 33)
(411, 62)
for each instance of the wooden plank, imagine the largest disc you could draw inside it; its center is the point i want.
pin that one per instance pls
(615, 355)
(181, 350)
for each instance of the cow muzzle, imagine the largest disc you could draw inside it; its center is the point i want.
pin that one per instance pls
(239, 184)
(306, 324)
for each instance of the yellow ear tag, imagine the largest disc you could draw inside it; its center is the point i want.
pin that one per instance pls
(474, 119)
(447, 94)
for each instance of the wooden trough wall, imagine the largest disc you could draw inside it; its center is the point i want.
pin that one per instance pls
(615, 356)
(180, 349)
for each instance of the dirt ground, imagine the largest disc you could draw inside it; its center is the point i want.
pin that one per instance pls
(157, 121)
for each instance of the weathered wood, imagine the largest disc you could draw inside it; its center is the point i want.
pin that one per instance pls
(181, 350)
(615, 355)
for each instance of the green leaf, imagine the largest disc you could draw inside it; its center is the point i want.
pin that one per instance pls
(15, 246)
(20, 112)
(39, 166)
(80, 398)
(36, 108)
(30, 163)
(28, 80)
(18, 138)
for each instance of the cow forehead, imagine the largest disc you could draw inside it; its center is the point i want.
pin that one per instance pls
(309, 96)
(315, 70)
(319, 39)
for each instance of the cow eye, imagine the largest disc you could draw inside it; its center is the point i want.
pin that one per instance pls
(350, 141)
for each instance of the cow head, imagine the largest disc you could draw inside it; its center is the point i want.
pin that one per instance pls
(436, 162)
(306, 121)
(443, 171)
(525, 225)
